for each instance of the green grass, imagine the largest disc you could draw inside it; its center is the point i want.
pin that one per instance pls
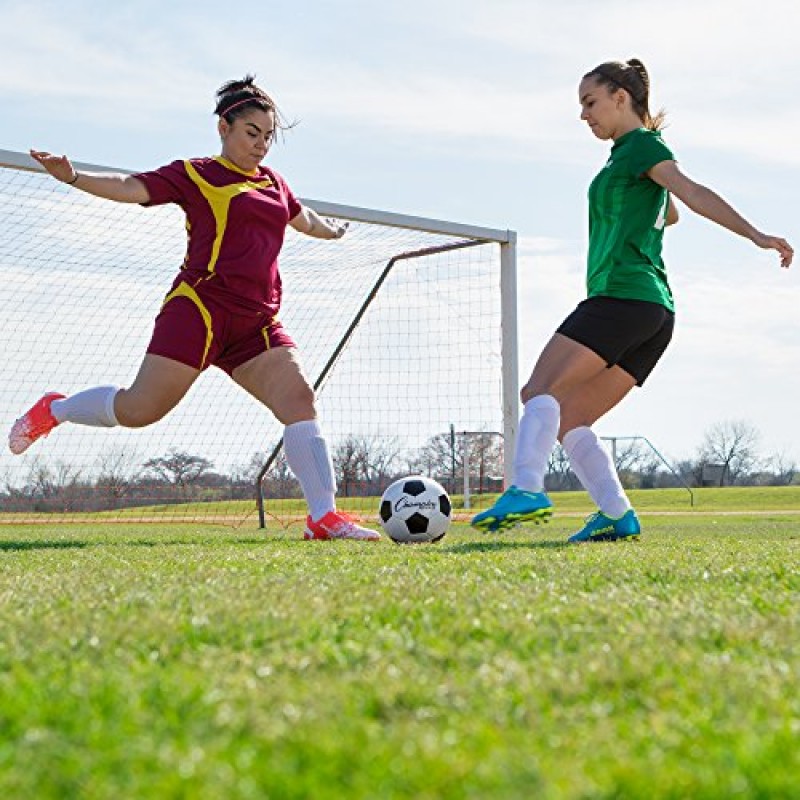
(194, 661)
(242, 513)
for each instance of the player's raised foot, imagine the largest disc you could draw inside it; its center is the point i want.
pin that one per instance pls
(601, 528)
(336, 525)
(35, 423)
(514, 506)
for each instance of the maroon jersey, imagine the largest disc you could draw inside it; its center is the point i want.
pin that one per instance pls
(236, 222)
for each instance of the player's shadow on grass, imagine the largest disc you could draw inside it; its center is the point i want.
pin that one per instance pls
(174, 542)
(41, 544)
(489, 547)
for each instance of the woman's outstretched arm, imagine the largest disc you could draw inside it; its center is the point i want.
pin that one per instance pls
(709, 204)
(111, 186)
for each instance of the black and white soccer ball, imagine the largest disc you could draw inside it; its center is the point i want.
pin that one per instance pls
(415, 509)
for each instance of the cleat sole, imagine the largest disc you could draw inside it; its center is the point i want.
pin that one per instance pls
(608, 537)
(494, 525)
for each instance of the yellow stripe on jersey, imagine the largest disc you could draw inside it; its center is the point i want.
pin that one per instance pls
(184, 290)
(219, 199)
(233, 168)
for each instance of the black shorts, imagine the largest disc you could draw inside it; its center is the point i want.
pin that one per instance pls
(632, 334)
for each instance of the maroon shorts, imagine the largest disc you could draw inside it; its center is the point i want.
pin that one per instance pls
(200, 332)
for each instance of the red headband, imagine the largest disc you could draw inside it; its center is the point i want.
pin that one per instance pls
(239, 103)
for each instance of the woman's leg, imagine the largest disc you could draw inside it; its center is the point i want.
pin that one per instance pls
(157, 389)
(159, 386)
(564, 366)
(590, 461)
(275, 378)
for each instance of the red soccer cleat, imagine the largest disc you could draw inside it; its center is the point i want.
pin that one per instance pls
(37, 422)
(335, 525)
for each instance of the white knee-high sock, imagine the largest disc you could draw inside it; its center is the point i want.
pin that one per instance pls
(90, 407)
(538, 430)
(309, 459)
(592, 463)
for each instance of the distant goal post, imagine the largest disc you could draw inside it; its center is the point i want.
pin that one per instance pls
(84, 278)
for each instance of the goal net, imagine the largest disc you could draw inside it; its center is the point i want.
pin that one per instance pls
(405, 326)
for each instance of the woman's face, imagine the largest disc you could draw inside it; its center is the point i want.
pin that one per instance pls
(601, 109)
(247, 140)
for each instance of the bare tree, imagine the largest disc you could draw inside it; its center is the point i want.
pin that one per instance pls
(636, 465)
(485, 457)
(281, 480)
(440, 458)
(731, 444)
(179, 469)
(560, 476)
(384, 454)
(349, 463)
(781, 469)
(117, 467)
(363, 463)
(56, 487)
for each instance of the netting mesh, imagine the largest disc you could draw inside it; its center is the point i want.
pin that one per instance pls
(82, 282)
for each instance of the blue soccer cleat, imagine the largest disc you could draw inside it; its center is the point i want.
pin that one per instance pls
(600, 528)
(513, 506)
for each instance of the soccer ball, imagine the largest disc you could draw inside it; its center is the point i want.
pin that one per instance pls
(415, 509)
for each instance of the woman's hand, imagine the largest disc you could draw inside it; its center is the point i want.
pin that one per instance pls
(312, 224)
(59, 167)
(337, 227)
(783, 247)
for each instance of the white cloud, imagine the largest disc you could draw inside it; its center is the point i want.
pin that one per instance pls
(481, 82)
(733, 356)
(121, 70)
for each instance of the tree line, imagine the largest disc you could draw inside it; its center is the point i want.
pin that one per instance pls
(364, 466)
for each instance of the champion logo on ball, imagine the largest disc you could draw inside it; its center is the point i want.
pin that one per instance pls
(405, 502)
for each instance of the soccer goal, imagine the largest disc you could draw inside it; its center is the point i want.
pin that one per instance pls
(406, 327)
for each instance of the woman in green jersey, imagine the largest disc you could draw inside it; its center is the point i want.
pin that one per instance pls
(614, 338)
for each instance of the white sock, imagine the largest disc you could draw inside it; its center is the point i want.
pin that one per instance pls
(538, 430)
(309, 459)
(90, 407)
(592, 463)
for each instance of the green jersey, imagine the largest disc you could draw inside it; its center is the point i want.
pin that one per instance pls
(627, 214)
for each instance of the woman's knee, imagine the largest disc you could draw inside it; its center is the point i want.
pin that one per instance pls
(134, 411)
(529, 391)
(298, 406)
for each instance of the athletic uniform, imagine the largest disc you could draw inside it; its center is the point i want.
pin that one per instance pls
(627, 320)
(628, 317)
(221, 310)
(223, 305)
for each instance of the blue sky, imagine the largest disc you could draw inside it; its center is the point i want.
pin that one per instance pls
(468, 111)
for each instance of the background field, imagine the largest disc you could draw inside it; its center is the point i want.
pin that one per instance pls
(186, 661)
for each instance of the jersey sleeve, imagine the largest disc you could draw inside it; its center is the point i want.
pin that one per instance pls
(649, 151)
(165, 184)
(293, 205)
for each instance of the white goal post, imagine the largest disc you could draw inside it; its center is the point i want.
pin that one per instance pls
(405, 327)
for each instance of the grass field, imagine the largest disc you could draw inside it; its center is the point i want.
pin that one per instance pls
(189, 661)
(243, 513)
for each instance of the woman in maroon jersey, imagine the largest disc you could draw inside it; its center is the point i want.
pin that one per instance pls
(222, 307)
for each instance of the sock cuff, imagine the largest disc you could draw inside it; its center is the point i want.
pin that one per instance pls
(543, 402)
(306, 426)
(113, 391)
(574, 436)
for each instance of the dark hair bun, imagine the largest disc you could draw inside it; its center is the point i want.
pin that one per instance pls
(248, 83)
(641, 71)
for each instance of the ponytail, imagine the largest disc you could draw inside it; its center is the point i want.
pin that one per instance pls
(631, 76)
